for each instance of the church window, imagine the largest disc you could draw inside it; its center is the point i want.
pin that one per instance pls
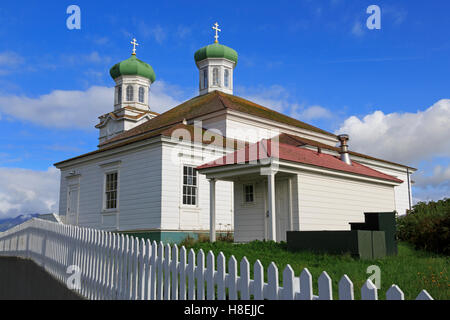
(111, 190)
(205, 78)
(226, 78)
(249, 196)
(216, 77)
(189, 185)
(141, 94)
(119, 95)
(130, 93)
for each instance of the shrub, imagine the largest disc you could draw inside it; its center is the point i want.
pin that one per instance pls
(190, 241)
(225, 237)
(427, 226)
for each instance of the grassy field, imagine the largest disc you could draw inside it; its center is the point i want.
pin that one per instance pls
(411, 270)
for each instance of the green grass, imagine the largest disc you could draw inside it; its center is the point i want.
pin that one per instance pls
(412, 270)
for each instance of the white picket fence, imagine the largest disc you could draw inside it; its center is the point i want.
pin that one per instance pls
(116, 266)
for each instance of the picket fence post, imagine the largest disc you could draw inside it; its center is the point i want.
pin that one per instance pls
(174, 272)
(258, 282)
(183, 273)
(200, 272)
(232, 278)
(272, 282)
(346, 288)
(288, 283)
(221, 276)
(394, 293)
(325, 287)
(209, 276)
(369, 291)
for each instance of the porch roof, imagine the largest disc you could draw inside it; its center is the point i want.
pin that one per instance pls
(273, 149)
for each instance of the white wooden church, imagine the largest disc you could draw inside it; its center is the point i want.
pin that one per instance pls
(218, 163)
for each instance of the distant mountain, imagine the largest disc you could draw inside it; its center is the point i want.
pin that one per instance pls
(8, 223)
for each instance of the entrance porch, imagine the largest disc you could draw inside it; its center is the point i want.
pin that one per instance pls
(264, 199)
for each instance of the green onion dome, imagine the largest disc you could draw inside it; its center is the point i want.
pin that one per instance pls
(133, 67)
(216, 50)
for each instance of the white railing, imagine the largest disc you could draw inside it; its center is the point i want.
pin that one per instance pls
(116, 266)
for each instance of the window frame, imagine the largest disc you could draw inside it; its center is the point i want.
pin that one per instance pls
(244, 194)
(196, 186)
(205, 78)
(141, 91)
(119, 94)
(105, 191)
(216, 68)
(129, 95)
(226, 78)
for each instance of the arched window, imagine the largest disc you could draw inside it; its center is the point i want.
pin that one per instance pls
(130, 95)
(226, 78)
(119, 95)
(205, 78)
(141, 94)
(216, 77)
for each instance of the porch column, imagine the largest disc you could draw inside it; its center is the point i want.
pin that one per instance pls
(212, 210)
(271, 203)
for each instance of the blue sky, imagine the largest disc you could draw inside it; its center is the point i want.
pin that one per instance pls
(314, 60)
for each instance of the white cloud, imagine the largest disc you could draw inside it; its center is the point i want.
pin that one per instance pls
(101, 41)
(396, 14)
(402, 137)
(10, 58)
(439, 178)
(275, 97)
(183, 31)
(25, 191)
(79, 109)
(90, 58)
(61, 108)
(164, 96)
(155, 32)
(410, 138)
(313, 113)
(357, 29)
(9, 61)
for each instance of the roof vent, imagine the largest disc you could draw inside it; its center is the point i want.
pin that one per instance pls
(343, 138)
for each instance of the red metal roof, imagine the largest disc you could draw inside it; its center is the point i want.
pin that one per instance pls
(266, 149)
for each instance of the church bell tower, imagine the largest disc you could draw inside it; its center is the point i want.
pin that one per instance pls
(216, 63)
(133, 79)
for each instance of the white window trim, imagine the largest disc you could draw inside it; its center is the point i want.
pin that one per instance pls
(229, 78)
(132, 93)
(219, 75)
(245, 203)
(189, 206)
(204, 83)
(111, 168)
(143, 94)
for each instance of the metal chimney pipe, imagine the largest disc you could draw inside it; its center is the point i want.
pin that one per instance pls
(343, 138)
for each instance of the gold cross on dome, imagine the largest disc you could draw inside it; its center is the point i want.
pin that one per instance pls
(216, 27)
(134, 43)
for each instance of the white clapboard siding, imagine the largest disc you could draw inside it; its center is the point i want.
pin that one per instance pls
(177, 216)
(402, 192)
(116, 267)
(330, 203)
